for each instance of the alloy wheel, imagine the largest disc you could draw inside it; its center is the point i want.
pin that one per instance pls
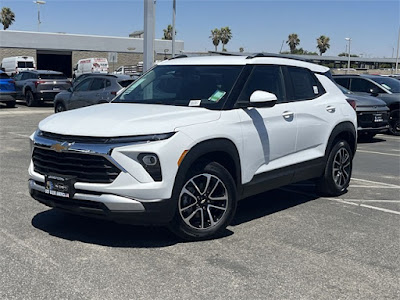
(341, 167)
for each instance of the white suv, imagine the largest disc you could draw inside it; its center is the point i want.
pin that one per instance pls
(191, 137)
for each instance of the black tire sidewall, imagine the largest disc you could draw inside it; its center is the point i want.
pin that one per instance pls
(394, 118)
(30, 95)
(327, 185)
(180, 228)
(59, 105)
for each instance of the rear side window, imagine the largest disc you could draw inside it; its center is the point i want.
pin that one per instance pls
(125, 83)
(84, 85)
(264, 78)
(52, 76)
(304, 84)
(97, 84)
(345, 82)
(363, 86)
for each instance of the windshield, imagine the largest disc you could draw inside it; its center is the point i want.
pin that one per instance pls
(25, 64)
(205, 86)
(388, 83)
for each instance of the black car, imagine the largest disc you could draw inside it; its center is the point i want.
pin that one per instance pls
(372, 114)
(382, 87)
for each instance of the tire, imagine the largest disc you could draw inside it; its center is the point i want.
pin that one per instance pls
(337, 174)
(59, 107)
(206, 202)
(11, 104)
(394, 122)
(30, 99)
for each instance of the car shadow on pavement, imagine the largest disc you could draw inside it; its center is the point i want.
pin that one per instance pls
(274, 201)
(371, 141)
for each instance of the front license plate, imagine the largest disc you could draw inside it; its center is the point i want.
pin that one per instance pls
(378, 118)
(59, 186)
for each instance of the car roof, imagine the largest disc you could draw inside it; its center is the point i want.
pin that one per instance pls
(44, 72)
(243, 60)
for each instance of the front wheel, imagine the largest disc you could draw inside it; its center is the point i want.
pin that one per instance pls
(394, 122)
(206, 202)
(337, 174)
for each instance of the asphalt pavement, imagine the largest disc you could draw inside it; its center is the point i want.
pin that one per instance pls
(284, 244)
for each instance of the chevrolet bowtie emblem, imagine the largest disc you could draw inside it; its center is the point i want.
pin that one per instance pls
(61, 147)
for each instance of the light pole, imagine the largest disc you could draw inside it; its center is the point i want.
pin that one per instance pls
(173, 27)
(39, 2)
(348, 63)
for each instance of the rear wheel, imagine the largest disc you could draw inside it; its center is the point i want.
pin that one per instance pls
(59, 107)
(10, 104)
(394, 122)
(206, 203)
(337, 175)
(30, 99)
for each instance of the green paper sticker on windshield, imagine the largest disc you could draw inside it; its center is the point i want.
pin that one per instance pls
(217, 96)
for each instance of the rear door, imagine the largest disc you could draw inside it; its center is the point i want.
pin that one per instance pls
(95, 93)
(20, 80)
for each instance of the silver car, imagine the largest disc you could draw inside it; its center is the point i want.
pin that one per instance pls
(92, 90)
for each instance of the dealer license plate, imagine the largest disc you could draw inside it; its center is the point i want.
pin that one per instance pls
(378, 118)
(59, 186)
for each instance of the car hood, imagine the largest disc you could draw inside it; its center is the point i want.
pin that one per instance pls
(125, 119)
(365, 100)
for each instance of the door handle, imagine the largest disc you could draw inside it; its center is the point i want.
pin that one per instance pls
(287, 115)
(330, 109)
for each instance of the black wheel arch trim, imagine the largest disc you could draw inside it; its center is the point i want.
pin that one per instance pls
(206, 149)
(344, 128)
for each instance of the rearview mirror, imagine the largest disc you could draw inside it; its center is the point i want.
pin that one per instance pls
(263, 99)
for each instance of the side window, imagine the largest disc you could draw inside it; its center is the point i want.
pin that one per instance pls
(304, 84)
(25, 76)
(18, 76)
(84, 85)
(363, 85)
(345, 82)
(264, 78)
(33, 76)
(108, 83)
(97, 84)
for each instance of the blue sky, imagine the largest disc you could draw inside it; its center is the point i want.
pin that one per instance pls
(256, 25)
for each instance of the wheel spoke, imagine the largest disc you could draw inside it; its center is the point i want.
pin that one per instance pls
(202, 218)
(210, 216)
(189, 206)
(186, 191)
(187, 219)
(195, 186)
(208, 176)
(219, 198)
(217, 207)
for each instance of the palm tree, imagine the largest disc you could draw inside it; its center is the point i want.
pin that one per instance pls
(293, 41)
(323, 44)
(226, 36)
(7, 17)
(215, 37)
(241, 49)
(168, 33)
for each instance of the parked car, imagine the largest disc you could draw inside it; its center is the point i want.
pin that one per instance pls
(182, 144)
(91, 90)
(384, 88)
(38, 86)
(90, 65)
(7, 90)
(372, 114)
(15, 64)
(131, 69)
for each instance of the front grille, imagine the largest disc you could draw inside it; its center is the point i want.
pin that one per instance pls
(85, 167)
(74, 138)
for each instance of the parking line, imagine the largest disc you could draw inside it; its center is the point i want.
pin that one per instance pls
(382, 153)
(382, 201)
(19, 134)
(364, 205)
(376, 182)
(389, 137)
(374, 187)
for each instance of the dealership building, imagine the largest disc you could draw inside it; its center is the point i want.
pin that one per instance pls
(61, 51)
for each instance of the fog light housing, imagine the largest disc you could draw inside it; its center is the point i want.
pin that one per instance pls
(151, 164)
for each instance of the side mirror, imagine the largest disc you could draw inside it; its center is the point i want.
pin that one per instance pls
(374, 91)
(70, 90)
(262, 99)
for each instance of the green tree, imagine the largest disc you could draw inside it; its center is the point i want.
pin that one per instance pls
(168, 33)
(293, 41)
(226, 36)
(7, 17)
(323, 44)
(215, 37)
(346, 54)
(241, 49)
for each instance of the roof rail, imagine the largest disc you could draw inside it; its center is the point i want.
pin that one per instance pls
(178, 56)
(275, 55)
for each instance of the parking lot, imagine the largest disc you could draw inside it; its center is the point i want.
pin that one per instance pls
(284, 244)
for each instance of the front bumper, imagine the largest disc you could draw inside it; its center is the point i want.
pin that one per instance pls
(106, 206)
(7, 96)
